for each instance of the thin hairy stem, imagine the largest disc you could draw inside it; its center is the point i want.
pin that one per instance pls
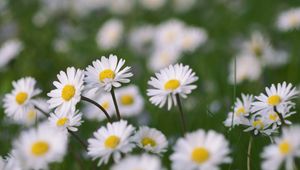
(113, 95)
(182, 117)
(280, 116)
(249, 153)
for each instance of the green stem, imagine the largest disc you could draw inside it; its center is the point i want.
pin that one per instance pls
(182, 117)
(280, 116)
(113, 95)
(249, 153)
(234, 93)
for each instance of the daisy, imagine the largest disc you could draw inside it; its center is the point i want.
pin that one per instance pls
(259, 125)
(183, 5)
(107, 73)
(289, 20)
(114, 139)
(68, 90)
(151, 140)
(129, 100)
(17, 103)
(200, 150)
(10, 162)
(36, 148)
(121, 7)
(9, 50)
(92, 112)
(66, 120)
(140, 38)
(152, 4)
(163, 57)
(110, 34)
(285, 149)
(276, 97)
(175, 79)
(241, 110)
(193, 37)
(141, 162)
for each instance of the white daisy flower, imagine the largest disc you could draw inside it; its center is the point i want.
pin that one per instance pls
(10, 162)
(289, 20)
(141, 162)
(285, 149)
(110, 34)
(276, 97)
(121, 7)
(92, 112)
(200, 150)
(17, 103)
(151, 140)
(183, 5)
(107, 73)
(66, 120)
(129, 100)
(9, 50)
(152, 4)
(68, 90)
(140, 38)
(193, 37)
(247, 68)
(113, 139)
(36, 148)
(175, 79)
(241, 110)
(259, 125)
(163, 57)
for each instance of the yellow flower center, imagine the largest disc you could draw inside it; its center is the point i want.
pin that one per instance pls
(148, 141)
(106, 74)
(68, 92)
(293, 20)
(127, 99)
(274, 100)
(240, 111)
(21, 97)
(105, 105)
(172, 84)
(258, 124)
(273, 116)
(284, 148)
(200, 155)
(62, 121)
(257, 49)
(40, 148)
(112, 142)
(31, 114)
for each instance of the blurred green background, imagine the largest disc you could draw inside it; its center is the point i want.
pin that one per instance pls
(224, 20)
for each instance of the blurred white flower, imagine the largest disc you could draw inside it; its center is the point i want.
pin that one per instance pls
(121, 7)
(20, 100)
(152, 4)
(200, 150)
(163, 57)
(151, 139)
(193, 37)
(110, 34)
(106, 73)
(84, 7)
(66, 120)
(36, 148)
(141, 162)
(140, 38)
(9, 50)
(114, 139)
(285, 149)
(259, 125)
(289, 20)
(68, 90)
(183, 5)
(175, 79)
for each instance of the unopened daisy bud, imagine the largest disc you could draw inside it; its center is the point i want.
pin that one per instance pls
(107, 73)
(200, 150)
(285, 149)
(21, 98)
(114, 139)
(151, 140)
(68, 90)
(143, 162)
(175, 79)
(66, 120)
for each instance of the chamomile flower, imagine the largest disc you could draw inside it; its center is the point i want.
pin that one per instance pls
(17, 103)
(141, 162)
(31, 114)
(279, 97)
(68, 90)
(9, 50)
(11, 162)
(107, 73)
(193, 37)
(259, 125)
(36, 148)
(285, 149)
(110, 34)
(289, 20)
(66, 120)
(113, 139)
(241, 110)
(175, 79)
(92, 112)
(151, 140)
(129, 100)
(200, 150)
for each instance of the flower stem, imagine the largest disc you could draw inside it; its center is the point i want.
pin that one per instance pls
(182, 117)
(83, 144)
(280, 116)
(97, 105)
(234, 93)
(249, 153)
(113, 95)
